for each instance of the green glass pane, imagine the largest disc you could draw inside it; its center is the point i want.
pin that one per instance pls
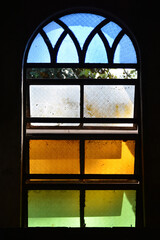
(53, 208)
(110, 208)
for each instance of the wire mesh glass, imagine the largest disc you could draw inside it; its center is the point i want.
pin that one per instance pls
(54, 101)
(109, 101)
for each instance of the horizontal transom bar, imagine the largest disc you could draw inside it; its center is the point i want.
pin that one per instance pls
(80, 120)
(82, 81)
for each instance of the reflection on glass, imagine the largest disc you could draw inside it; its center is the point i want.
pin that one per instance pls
(109, 156)
(110, 208)
(79, 73)
(54, 157)
(109, 101)
(54, 101)
(53, 208)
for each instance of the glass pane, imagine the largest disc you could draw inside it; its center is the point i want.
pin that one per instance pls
(111, 31)
(110, 208)
(54, 101)
(109, 101)
(81, 73)
(109, 156)
(53, 31)
(81, 24)
(125, 51)
(83, 19)
(67, 52)
(38, 52)
(54, 157)
(96, 52)
(53, 208)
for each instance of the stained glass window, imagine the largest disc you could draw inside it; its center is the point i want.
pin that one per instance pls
(82, 123)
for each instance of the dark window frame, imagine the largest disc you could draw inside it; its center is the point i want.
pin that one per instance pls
(113, 181)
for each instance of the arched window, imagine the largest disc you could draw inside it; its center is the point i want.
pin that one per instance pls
(82, 123)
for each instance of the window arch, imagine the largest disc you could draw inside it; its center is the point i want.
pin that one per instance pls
(72, 33)
(81, 123)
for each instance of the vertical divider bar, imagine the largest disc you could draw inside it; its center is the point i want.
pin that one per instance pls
(82, 191)
(81, 103)
(82, 206)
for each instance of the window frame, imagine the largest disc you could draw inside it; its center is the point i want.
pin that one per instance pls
(112, 181)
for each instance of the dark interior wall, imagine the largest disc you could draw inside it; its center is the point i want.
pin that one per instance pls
(21, 19)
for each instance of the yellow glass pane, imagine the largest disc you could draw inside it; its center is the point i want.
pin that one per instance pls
(109, 156)
(54, 157)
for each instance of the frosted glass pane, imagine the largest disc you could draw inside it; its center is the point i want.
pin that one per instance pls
(110, 208)
(67, 52)
(109, 101)
(54, 157)
(111, 31)
(53, 31)
(82, 24)
(38, 52)
(53, 208)
(78, 73)
(109, 157)
(96, 52)
(125, 51)
(54, 101)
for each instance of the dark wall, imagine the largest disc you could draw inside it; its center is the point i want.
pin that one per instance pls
(17, 24)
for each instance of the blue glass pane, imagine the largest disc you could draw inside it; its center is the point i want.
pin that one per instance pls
(111, 31)
(82, 24)
(53, 31)
(125, 51)
(38, 51)
(82, 19)
(81, 33)
(96, 52)
(67, 52)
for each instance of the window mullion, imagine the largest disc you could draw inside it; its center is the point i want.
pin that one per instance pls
(81, 103)
(82, 205)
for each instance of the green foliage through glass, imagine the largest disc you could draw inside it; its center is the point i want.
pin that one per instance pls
(81, 73)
